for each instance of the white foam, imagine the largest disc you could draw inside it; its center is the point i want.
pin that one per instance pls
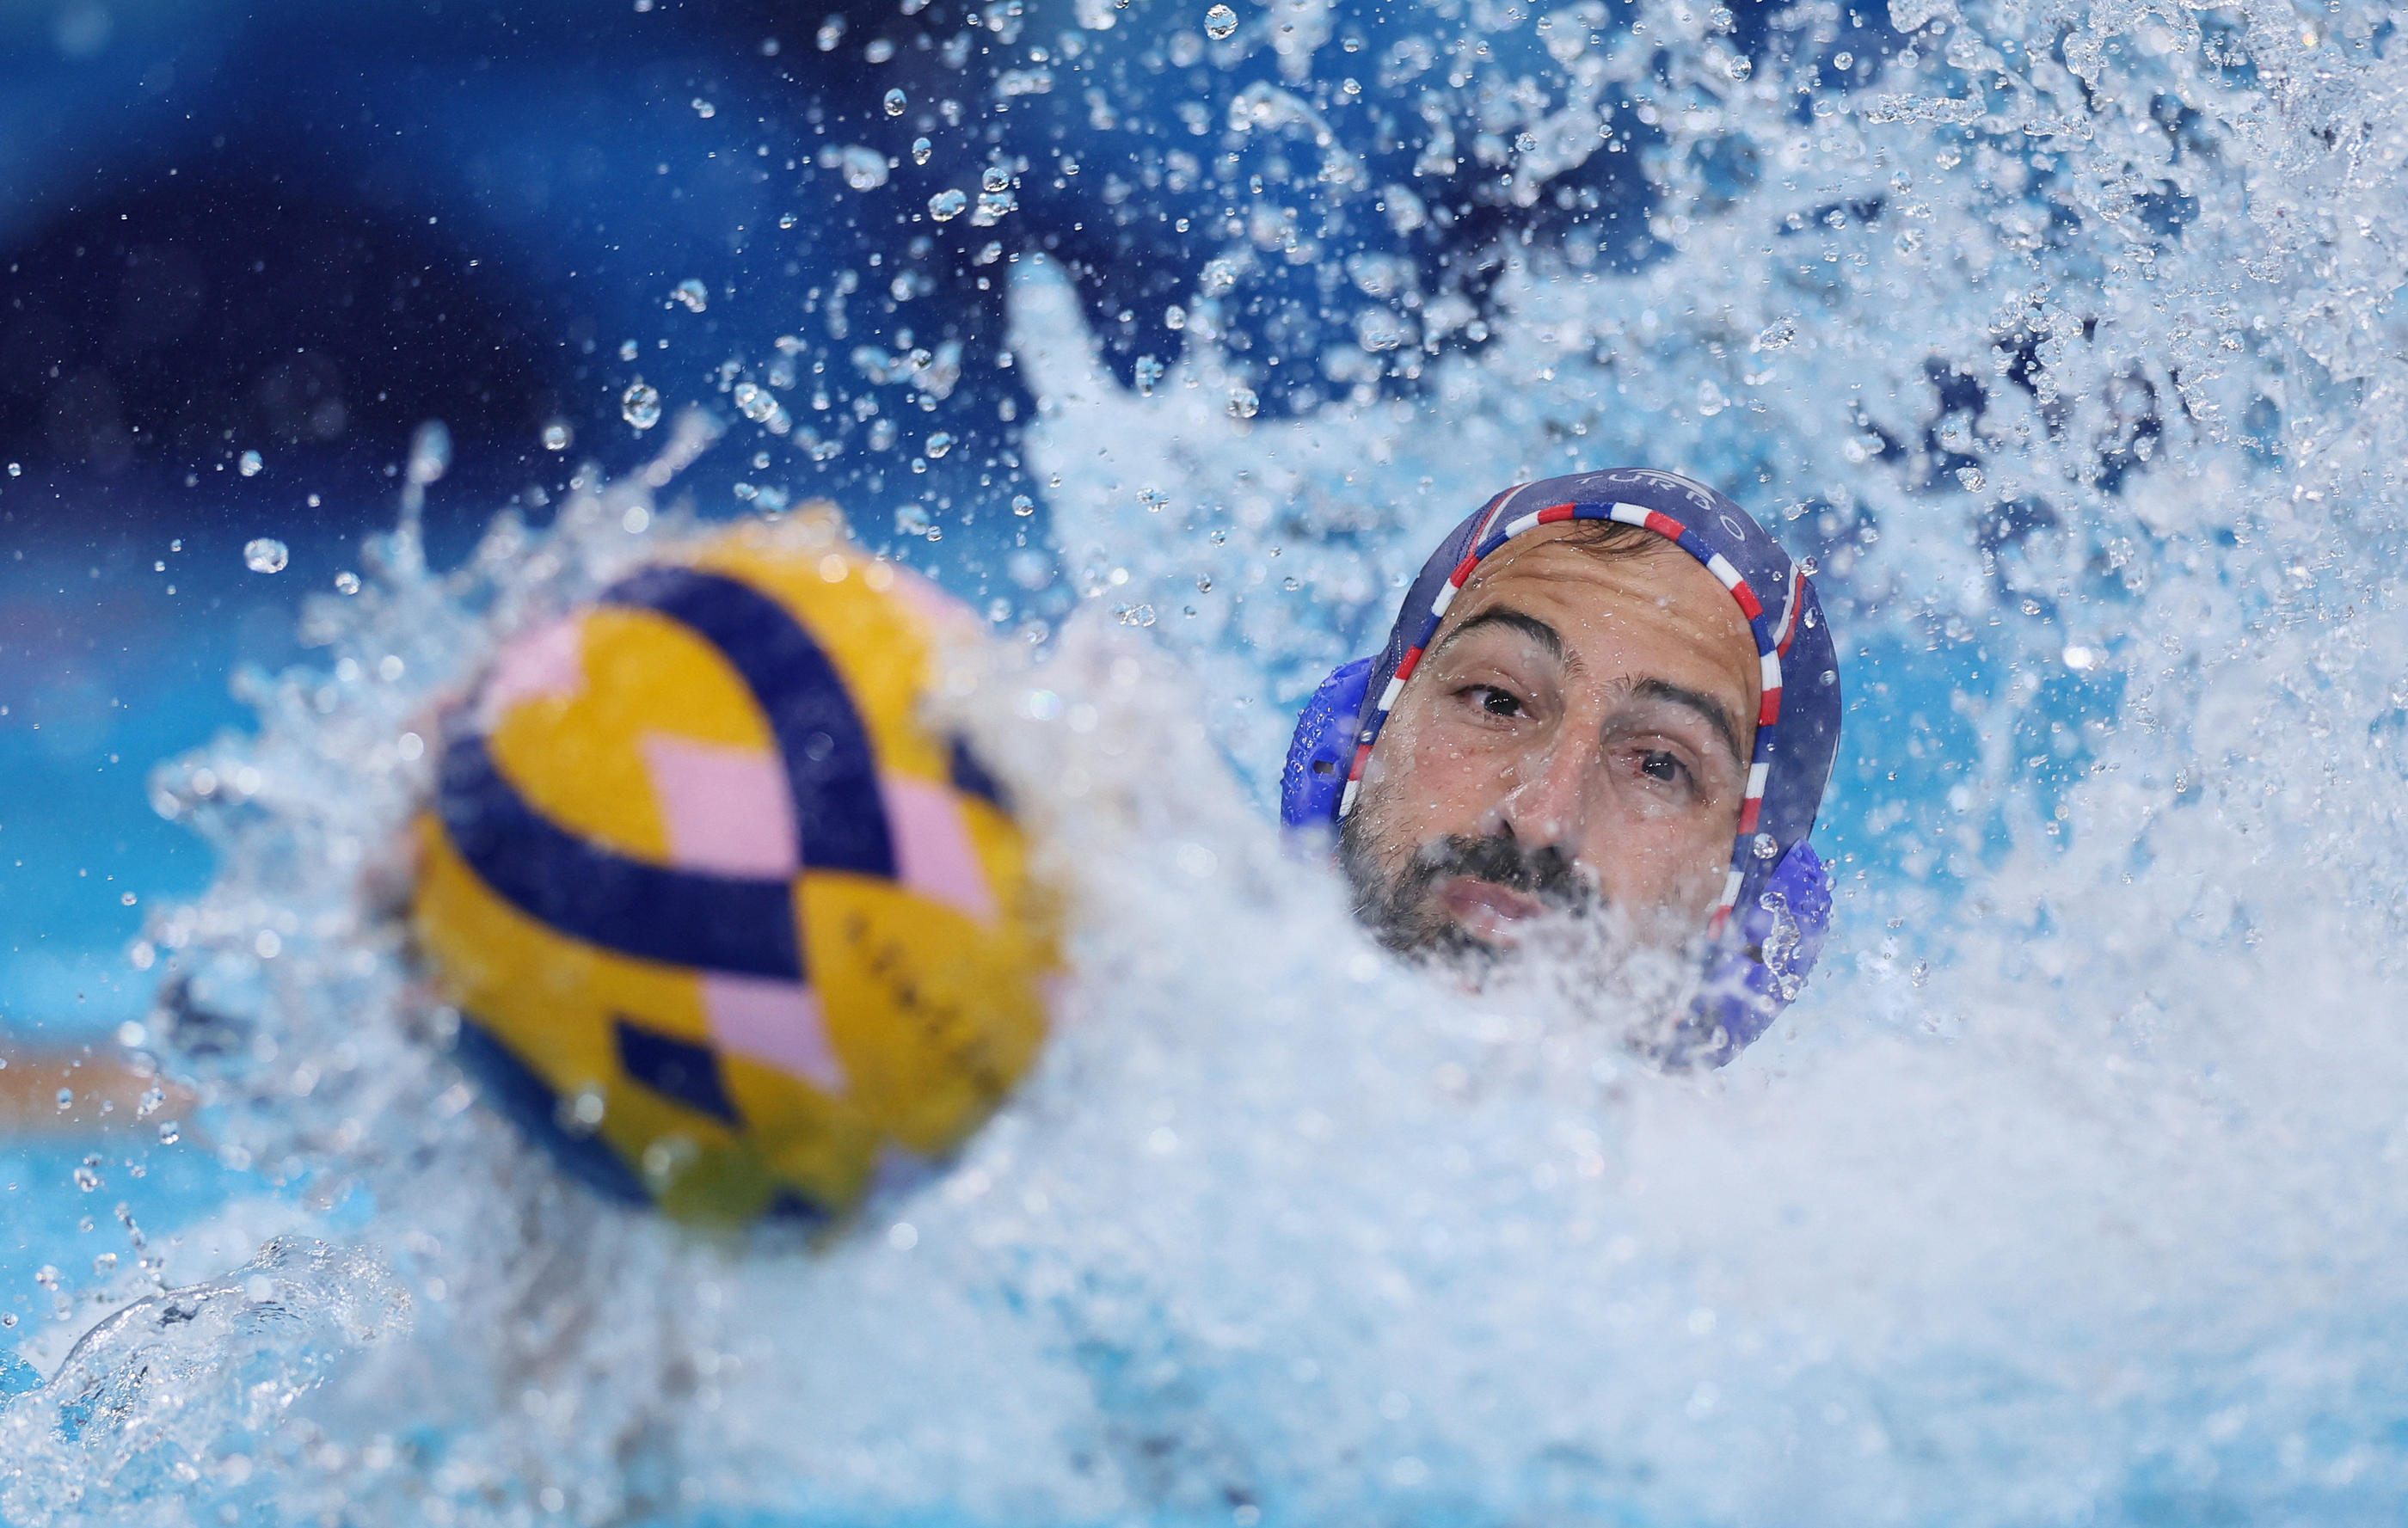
(2068, 1192)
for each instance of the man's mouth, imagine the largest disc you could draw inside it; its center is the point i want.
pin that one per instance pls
(1462, 895)
(1487, 911)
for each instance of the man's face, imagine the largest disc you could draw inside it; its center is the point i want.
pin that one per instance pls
(1578, 731)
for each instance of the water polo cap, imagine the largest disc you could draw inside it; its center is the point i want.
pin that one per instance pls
(1769, 921)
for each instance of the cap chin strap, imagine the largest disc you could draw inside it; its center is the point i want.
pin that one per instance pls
(1753, 970)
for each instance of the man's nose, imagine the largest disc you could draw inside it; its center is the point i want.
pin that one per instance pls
(1546, 799)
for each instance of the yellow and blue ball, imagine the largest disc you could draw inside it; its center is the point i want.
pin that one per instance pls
(727, 921)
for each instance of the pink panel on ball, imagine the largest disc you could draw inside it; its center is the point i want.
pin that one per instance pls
(933, 853)
(545, 665)
(776, 1024)
(728, 809)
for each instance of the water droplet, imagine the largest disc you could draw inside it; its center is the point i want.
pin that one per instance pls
(938, 444)
(347, 582)
(430, 452)
(1969, 478)
(1149, 371)
(704, 109)
(1765, 847)
(753, 401)
(1739, 69)
(641, 405)
(1153, 499)
(1220, 273)
(1203, 583)
(1023, 504)
(1220, 22)
(582, 1113)
(911, 520)
(1243, 403)
(995, 178)
(921, 149)
(865, 169)
(626, 349)
(147, 1105)
(250, 463)
(692, 294)
(87, 1179)
(556, 437)
(1777, 335)
(947, 204)
(170, 1131)
(66, 1098)
(1523, 143)
(896, 101)
(265, 554)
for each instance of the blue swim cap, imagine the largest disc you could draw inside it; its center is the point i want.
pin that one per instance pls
(1770, 921)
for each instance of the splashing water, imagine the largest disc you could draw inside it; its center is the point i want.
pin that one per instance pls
(2069, 343)
(176, 1386)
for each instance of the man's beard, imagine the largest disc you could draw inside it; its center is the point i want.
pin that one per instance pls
(1586, 962)
(1402, 912)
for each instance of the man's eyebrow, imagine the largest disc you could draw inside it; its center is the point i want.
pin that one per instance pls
(1506, 616)
(1713, 712)
(1706, 706)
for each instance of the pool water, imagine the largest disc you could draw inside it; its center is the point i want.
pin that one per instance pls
(2069, 345)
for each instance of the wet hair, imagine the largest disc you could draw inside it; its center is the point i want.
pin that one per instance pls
(1613, 540)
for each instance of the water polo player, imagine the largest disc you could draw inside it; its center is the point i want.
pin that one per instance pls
(1613, 691)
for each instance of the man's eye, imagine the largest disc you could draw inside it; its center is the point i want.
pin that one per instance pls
(1493, 701)
(1659, 766)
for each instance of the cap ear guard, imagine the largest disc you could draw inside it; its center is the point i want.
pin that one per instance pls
(1749, 977)
(1314, 776)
